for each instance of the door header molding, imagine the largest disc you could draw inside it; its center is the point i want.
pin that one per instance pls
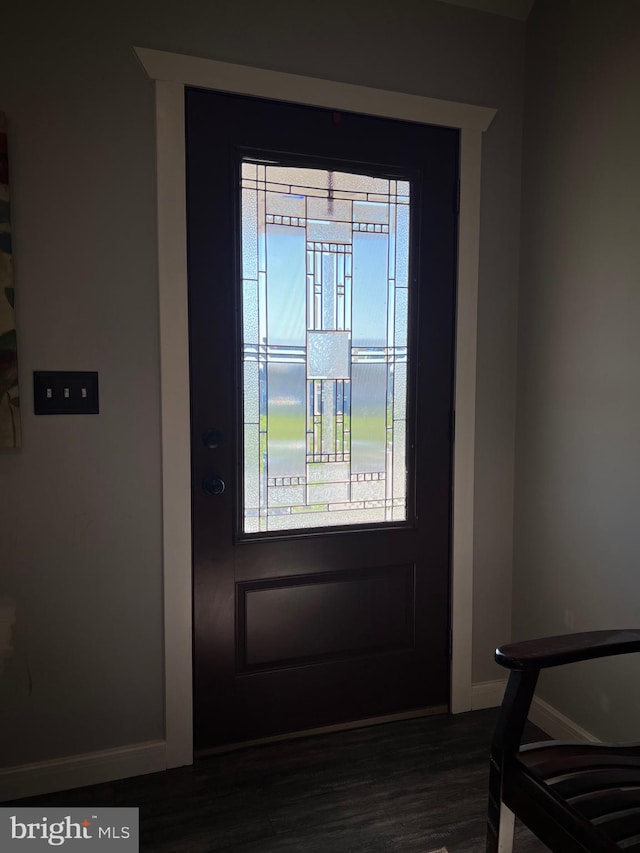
(171, 73)
(313, 91)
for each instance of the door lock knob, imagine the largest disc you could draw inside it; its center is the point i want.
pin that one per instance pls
(213, 485)
(212, 438)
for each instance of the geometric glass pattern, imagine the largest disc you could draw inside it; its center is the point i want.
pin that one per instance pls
(325, 269)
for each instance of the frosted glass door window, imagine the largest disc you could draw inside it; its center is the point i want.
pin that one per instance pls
(325, 261)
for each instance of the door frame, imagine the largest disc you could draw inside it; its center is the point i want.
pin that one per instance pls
(171, 72)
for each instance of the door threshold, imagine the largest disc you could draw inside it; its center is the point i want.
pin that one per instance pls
(414, 714)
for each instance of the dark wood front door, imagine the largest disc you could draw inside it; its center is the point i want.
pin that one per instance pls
(322, 270)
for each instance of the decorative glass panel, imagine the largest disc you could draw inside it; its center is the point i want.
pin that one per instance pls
(325, 260)
(328, 355)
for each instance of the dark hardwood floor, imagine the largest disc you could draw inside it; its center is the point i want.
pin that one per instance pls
(407, 787)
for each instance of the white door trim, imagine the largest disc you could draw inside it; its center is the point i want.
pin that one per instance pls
(172, 72)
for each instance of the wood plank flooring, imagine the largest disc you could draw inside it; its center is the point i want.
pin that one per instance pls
(406, 787)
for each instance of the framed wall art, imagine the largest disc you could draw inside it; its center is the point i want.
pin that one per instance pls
(10, 424)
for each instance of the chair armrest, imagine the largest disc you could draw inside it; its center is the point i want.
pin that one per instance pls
(568, 648)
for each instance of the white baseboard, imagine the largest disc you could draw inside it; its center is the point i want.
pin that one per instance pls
(555, 724)
(487, 694)
(60, 774)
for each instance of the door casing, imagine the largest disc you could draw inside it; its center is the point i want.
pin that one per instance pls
(171, 73)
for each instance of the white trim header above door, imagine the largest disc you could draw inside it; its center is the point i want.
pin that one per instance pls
(261, 83)
(172, 72)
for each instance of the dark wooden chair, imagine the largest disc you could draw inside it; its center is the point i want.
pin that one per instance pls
(576, 797)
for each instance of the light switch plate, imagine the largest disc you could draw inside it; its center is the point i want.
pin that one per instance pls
(57, 392)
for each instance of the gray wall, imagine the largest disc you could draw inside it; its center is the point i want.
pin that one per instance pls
(80, 526)
(577, 532)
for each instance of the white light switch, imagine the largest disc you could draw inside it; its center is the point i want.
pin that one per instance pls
(60, 392)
